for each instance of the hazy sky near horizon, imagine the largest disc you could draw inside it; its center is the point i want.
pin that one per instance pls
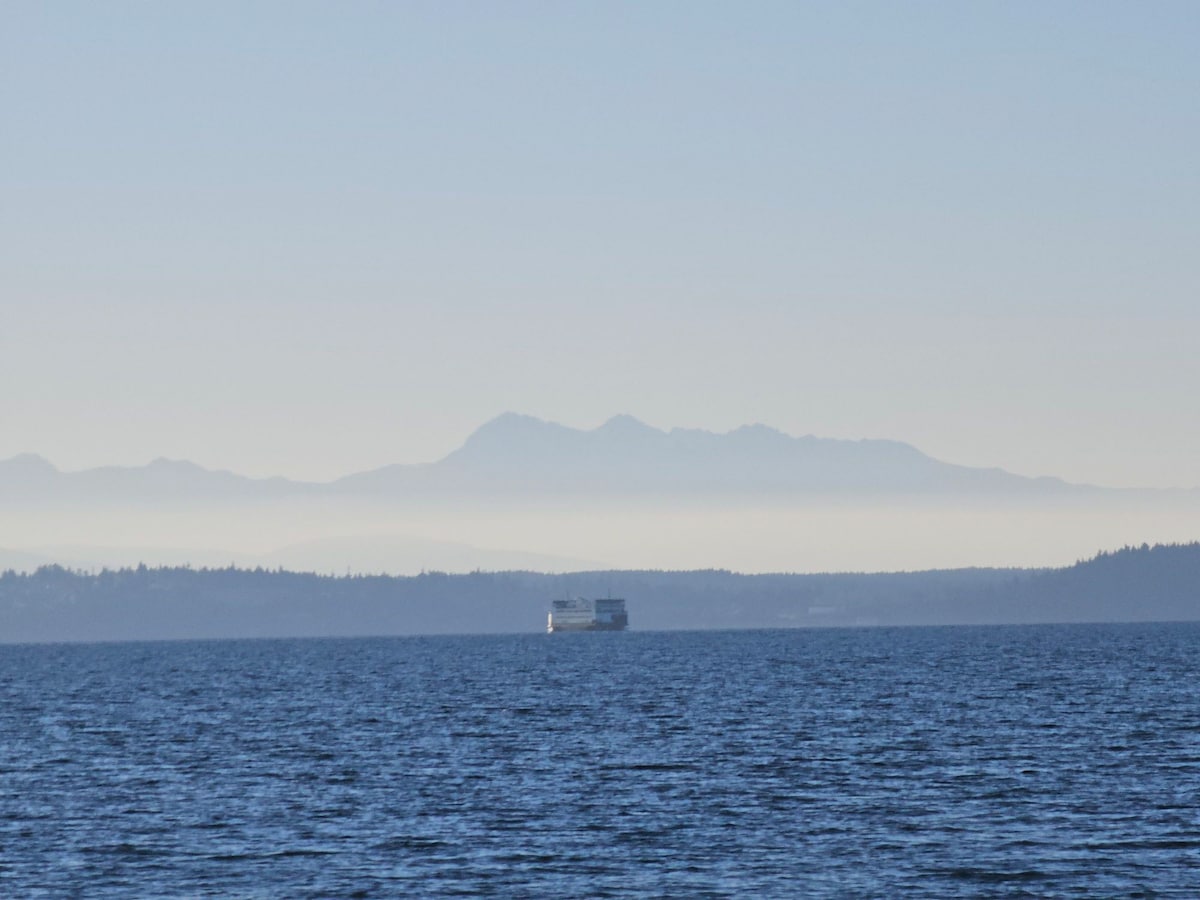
(315, 238)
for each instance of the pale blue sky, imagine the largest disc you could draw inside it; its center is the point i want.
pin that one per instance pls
(313, 238)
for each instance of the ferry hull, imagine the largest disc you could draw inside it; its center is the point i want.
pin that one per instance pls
(552, 627)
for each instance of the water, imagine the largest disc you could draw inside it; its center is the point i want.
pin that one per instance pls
(1040, 761)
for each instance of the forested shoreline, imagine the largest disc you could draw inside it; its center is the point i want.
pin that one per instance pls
(57, 604)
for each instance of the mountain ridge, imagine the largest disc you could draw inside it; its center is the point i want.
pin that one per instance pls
(520, 454)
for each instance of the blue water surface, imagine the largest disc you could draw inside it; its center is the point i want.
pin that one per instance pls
(922, 762)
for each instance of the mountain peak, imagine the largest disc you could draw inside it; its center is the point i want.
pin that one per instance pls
(512, 425)
(512, 419)
(510, 435)
(625, 424)
(30, 462)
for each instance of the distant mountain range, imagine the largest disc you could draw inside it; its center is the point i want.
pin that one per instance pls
(31, 478)
(521, 456)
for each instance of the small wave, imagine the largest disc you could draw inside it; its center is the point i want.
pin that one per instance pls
(660, 767)
(411, 842)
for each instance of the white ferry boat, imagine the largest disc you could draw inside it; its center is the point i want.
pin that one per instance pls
(582, 614)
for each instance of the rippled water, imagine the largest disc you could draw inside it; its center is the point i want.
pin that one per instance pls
(1040, 761)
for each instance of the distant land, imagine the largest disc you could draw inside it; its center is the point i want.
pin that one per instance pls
(334, 555)
(526, 494)
(1146, 583)
(517, 455)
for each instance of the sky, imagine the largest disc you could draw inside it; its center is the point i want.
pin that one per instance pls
(310, 239)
